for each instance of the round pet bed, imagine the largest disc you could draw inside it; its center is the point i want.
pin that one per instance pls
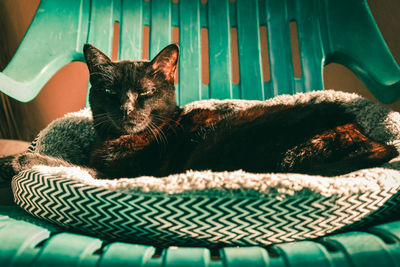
(209, 208)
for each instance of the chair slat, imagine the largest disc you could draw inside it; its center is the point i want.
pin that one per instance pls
(279, 47)
(161, 26)
(74, 250)
(190, 59)
(102, 28)
(297, 254)
(220, 49)
(245, 256)
(251, 82)
(310, 46)
(102, 25)
(183, 257)
(392, 228)
(363, 249)
(124, 254)
(83, 24)
(19, 242)
(131, 33)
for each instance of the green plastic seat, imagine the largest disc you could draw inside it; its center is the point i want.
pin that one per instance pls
(341, 31)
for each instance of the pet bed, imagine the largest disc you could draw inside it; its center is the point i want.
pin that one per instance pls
(329, 36)
(204, 208)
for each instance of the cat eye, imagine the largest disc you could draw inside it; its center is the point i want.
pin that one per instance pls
(110, 91)
(148, 92)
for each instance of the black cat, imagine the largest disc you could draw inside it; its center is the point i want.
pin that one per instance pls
(143, 132)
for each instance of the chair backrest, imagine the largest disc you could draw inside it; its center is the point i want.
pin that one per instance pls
(341, 31)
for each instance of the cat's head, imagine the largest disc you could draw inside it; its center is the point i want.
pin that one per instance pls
(129, 97)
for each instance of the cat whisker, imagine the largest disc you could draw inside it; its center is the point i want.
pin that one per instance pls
(100, 120)
(169, 121)
(169, 127)
(148, 128)
(151, 129)
(103, 119)
(109, 115)
(162, 134)
(159, 134)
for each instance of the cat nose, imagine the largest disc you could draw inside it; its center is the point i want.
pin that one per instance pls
(127, 108)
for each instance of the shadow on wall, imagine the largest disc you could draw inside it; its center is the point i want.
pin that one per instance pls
(66, 91)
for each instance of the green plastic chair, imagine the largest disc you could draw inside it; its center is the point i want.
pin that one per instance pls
(341, 31)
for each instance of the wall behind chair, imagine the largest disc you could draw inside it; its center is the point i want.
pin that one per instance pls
(66, 91)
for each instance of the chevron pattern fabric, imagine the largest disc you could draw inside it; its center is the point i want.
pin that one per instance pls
(191, 221)
(389, 211)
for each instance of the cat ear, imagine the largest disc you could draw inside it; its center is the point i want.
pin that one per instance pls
(94, 56)
(166, 61)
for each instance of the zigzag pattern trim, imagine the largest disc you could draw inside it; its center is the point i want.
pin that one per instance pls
(389, 210)
(32, 146)
(192, 221)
